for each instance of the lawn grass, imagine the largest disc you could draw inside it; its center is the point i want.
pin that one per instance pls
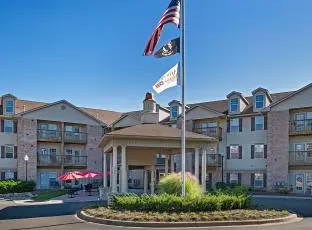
(47, 195)
(239, 214)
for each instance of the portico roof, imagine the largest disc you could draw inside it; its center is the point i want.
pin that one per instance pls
(155, 132)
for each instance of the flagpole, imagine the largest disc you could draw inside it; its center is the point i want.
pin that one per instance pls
(182, 20)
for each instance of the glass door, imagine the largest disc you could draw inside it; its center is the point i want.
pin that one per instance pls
(299, 121)
(299, 182)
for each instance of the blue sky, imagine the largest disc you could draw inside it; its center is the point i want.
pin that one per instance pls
(90, 52)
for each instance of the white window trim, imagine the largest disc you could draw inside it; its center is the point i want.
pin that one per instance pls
(258, 152)
(6, 125)
(235, 153)
(258, 186)
(237, 108)
(262, 119)
(263, 101)
(5, 106)
(6, 152)
(171, 112)
(236, 175)
(231, 130)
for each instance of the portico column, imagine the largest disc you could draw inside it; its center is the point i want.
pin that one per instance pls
(114, 179)
(145, 180)
(166, 165)
(104, 171)
(110, 170)
(124, 178)
(172, 164)
(197, 163)
(203, 178)
(153, 181)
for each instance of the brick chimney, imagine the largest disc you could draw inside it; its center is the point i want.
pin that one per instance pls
(150, 114)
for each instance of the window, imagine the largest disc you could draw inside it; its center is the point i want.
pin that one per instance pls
(212, 124)
(300, 154)
(52, 127)
(259, 151)
(70, 128)
(299, 182)
(9, 151)
(299, 121)
(234, 104)
(259, 101)
(8, 126)
(9, 175)
(234, 151)
(174, 112)
(234, 125)
(8, 106)
(233, 178)
(52, 151)
(259, 122)
(258, 180)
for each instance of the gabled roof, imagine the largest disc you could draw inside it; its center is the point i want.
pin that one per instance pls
(8, 95)
(240, 95)
(260, 89)
(60, 102)
(205, 108)
(292, 94)
(153, 131)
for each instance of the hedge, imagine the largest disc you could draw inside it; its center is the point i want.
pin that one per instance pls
(16, 186)
(174, 203)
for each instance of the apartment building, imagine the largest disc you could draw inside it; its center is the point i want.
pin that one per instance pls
(263, 140)
(57, 137)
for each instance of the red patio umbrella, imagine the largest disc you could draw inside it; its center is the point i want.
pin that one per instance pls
(90, 174)
(71, 176)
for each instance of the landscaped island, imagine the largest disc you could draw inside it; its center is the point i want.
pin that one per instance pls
(229, 203)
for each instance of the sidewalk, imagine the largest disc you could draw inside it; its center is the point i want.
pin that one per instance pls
(283, 197)
(81, 197)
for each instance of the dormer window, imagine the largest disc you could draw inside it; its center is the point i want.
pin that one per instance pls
(174, 112)
(234, 105)
(9, 106)
(260, 101)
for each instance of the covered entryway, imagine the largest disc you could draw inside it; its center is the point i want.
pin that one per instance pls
(138, 147)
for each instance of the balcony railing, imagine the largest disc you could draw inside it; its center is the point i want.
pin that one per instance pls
(210, 131)
(49, 135)
(49, 160)
(70, 160)
(75, 137)
(300, 127)
(300, 158)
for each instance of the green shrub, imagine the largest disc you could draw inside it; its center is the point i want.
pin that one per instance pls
(172, 184)
(231, 189)
(16, 186)
(174, 203)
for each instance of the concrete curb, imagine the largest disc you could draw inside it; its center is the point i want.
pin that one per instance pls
(82, 215)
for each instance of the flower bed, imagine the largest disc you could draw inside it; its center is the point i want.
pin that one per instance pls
(140, 216)
(174, 203)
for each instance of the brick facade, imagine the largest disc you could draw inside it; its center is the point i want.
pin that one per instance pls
(278, 147)
(27, 144)
(95, 154)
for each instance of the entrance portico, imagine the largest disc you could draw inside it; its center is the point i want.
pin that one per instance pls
(137, 146)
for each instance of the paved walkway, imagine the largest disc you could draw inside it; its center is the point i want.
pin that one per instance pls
(81, 197)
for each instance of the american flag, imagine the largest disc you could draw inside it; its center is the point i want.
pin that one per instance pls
(171, 15)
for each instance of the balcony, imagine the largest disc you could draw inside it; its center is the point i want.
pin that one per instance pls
(75, 161)
(299, 158)
(49, 135)
(75, 137)
(210, 131)
(49, 160)
(300, 127)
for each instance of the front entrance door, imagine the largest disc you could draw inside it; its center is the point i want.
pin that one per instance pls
(299, 183)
